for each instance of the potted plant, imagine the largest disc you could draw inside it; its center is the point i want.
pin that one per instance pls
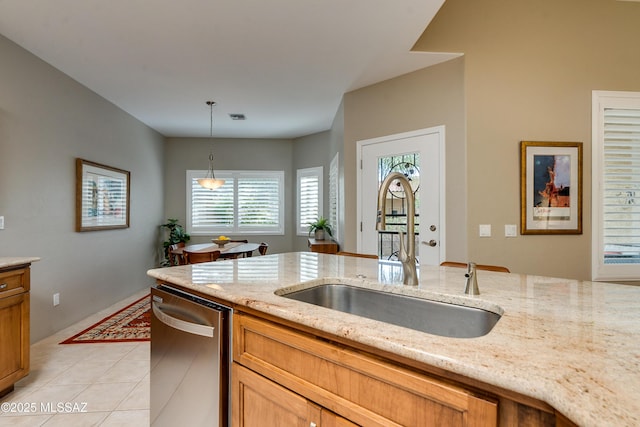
(319, 227)
(176, 235)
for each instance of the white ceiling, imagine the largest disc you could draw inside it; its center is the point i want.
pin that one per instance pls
(285, 64)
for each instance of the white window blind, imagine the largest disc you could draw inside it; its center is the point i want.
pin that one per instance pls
(334, 171)
(616, 186)
(249, 202)
(309, 197)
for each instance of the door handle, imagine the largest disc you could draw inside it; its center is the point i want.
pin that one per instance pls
(431, 243)
(191, 328)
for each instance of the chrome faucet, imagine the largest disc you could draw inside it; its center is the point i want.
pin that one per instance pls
(471, 286)
(407, 254)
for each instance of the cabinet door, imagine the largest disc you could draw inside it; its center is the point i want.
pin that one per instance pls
(14, 336)
(364, 389)
(329, 419)
(260, 402)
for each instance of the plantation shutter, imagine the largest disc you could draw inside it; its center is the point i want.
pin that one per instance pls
(333, 196)
(621, 186)
(249, 202)
(212, 208)
(258, 202)
(309, 197)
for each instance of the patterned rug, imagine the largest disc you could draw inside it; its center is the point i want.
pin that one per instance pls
(132, 323)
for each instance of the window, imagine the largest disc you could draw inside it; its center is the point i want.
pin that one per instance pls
(616, 186)
(334, 196)
(249, 202)
(309, 197)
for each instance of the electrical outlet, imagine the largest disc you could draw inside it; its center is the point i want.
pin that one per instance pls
(56, 299)
(1, 222)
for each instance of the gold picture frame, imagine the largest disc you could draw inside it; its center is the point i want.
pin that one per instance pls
(102, 197)
(550, 187)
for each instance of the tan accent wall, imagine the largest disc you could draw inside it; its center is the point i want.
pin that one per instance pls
(530, 69)
(430, 97)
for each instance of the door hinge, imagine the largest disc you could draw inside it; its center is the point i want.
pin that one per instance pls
(361, 226)
(360, 163)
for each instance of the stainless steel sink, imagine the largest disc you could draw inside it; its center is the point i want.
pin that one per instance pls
(433, 317)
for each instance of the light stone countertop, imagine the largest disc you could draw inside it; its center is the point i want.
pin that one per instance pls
(12, 261)
(573, 344)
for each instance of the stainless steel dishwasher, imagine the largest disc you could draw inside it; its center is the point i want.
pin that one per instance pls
(190, 360)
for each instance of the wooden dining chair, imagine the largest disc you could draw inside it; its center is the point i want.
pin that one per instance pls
(198, 257)
(176, 258)
(478, 266)
(263, 248)
(355, 254)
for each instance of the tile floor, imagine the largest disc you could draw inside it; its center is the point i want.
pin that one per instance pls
(97, 384)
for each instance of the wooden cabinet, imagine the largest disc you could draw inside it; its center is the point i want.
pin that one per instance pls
(290, 374)
(323, 246)
(14, 326)
(261, 402)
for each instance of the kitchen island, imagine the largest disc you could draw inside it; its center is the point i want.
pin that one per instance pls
(571, 345)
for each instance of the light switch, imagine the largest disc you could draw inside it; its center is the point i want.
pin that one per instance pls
(510, 230)
(485, 230)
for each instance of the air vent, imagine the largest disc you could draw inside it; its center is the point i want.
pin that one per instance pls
(237, 116)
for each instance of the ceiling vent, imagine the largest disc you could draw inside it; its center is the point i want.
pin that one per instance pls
(237, 116)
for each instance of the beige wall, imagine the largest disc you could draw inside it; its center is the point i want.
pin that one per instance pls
(46, 121)
(530, 68)
(430, 97)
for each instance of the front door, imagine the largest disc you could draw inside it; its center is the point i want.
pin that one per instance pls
(419, 156)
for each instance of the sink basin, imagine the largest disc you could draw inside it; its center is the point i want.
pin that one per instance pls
(433, 317)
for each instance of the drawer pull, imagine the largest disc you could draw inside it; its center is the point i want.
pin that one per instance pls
(3, 286)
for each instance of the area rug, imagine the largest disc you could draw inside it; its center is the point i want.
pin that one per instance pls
(132, 323)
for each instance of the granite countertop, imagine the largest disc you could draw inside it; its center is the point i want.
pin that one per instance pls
(13, 261)
(573, 344)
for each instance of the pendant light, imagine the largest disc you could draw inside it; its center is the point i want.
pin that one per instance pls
(210, 181)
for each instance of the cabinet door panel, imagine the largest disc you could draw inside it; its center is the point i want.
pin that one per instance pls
(14, 336)
(260, 402)
(364, 389)
(329, 419)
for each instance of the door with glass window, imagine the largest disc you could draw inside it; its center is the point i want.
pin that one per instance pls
(417, 155)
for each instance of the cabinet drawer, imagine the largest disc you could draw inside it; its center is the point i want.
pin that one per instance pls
(13, 282)
(360, 387)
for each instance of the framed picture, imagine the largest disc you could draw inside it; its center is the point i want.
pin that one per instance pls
(102, 197)
(550, 187)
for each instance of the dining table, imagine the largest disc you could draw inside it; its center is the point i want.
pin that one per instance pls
(229, 250)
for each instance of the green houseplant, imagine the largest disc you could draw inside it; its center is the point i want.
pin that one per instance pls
(319, 227)
(177, 234)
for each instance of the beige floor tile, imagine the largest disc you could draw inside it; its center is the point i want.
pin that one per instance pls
(142, 351)
(88, 419)
(104, 376)
(127, 419)
(106, 396)
(24, 421)
(84, 372)
(54, 394)
(138, 398)
(125, 371)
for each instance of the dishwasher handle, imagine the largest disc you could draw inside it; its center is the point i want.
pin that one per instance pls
(191, 328)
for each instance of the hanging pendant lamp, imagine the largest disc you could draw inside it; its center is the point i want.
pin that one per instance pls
(210, 181)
